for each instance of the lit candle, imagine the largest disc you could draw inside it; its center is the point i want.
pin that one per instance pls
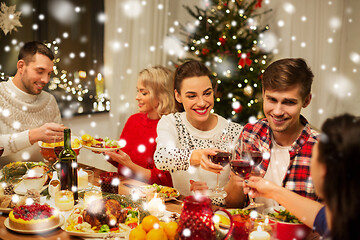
(156, 206)
(83, 179)
(91, 196)
(64, 200)
(259, 234)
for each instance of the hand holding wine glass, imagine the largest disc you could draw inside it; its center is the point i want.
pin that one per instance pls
(222, 157)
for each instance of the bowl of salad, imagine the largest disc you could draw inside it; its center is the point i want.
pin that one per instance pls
(288, 227)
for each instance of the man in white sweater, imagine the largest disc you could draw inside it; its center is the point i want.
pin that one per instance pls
(28, 114)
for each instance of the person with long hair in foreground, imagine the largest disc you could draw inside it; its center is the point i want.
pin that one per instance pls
(334, 172)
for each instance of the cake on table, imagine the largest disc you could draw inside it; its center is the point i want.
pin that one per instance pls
(33, 217)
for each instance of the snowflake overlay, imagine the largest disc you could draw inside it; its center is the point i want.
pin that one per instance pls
(9, 18)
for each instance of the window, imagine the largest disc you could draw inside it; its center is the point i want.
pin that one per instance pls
(75, 32)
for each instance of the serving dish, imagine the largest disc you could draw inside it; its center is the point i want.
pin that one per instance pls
(286, 230)
(37, 231)
(48, 152)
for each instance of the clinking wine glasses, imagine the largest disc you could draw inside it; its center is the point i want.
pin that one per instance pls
(244, 163)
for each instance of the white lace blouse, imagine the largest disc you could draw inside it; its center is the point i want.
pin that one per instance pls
(177, 138)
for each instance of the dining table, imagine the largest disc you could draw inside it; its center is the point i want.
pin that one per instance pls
(125, 187)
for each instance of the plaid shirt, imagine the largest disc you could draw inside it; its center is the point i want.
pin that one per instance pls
(297, 178)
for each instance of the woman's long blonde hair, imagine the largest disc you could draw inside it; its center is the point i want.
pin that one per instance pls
(159, 81)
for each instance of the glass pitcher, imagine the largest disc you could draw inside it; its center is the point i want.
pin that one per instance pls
(196, 220)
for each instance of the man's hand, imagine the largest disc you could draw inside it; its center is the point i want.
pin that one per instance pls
(49, 133)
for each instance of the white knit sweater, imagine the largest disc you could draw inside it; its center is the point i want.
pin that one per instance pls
(20, 112)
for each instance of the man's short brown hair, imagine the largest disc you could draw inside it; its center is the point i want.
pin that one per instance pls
(287, 73)
(31, 48)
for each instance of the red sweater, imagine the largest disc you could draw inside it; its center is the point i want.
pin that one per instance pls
(140, 135)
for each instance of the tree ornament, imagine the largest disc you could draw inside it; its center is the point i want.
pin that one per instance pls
(258, 4)
(260, 115)
(244, 59)
(9, 18)
(205, 51)
(237, 106)
(222, 40)
(248, 90)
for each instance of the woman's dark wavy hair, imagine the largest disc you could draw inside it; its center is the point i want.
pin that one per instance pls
(339, 150)
(192, 68)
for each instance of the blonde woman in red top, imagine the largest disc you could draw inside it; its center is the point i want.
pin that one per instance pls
(155, 96)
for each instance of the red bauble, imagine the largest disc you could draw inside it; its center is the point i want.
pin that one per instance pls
(222, 40)
(205, 51)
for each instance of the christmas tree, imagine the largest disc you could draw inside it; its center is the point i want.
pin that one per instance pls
(228, 39)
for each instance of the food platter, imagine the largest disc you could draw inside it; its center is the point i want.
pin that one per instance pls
(21, 189)
(97, 235)
(224, 221)
(96, 149)
(7, 225)
(167, 193)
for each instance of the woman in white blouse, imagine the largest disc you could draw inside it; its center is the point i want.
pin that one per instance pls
(187, 138)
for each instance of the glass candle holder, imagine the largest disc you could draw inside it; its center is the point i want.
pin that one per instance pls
(156, 204)
(91, 196)
(90, 175)
(64, 200)
(83, 179)
(261, 223)
(259, 233)
(109, 182)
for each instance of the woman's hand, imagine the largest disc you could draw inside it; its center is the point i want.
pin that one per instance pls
(198, 187)
(201, 157)
(120, 157)
(259, 187)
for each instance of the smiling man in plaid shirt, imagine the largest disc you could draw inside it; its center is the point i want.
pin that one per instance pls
(284, 133)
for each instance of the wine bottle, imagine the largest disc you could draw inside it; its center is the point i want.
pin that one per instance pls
(68, 166)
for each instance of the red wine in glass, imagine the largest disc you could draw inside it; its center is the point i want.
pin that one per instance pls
(241, 168)
(256, 157)
(221, 158)
(58, 150)
(1, 151)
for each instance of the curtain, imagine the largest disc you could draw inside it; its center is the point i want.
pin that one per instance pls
(134, 33)
(324, 33)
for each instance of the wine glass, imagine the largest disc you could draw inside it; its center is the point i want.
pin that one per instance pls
(58, 150)
(222, 158)
(1, 151)
(244, 162)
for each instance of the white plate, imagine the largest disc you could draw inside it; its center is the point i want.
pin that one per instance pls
(20, 189)
(95, 149)
(7, 225)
